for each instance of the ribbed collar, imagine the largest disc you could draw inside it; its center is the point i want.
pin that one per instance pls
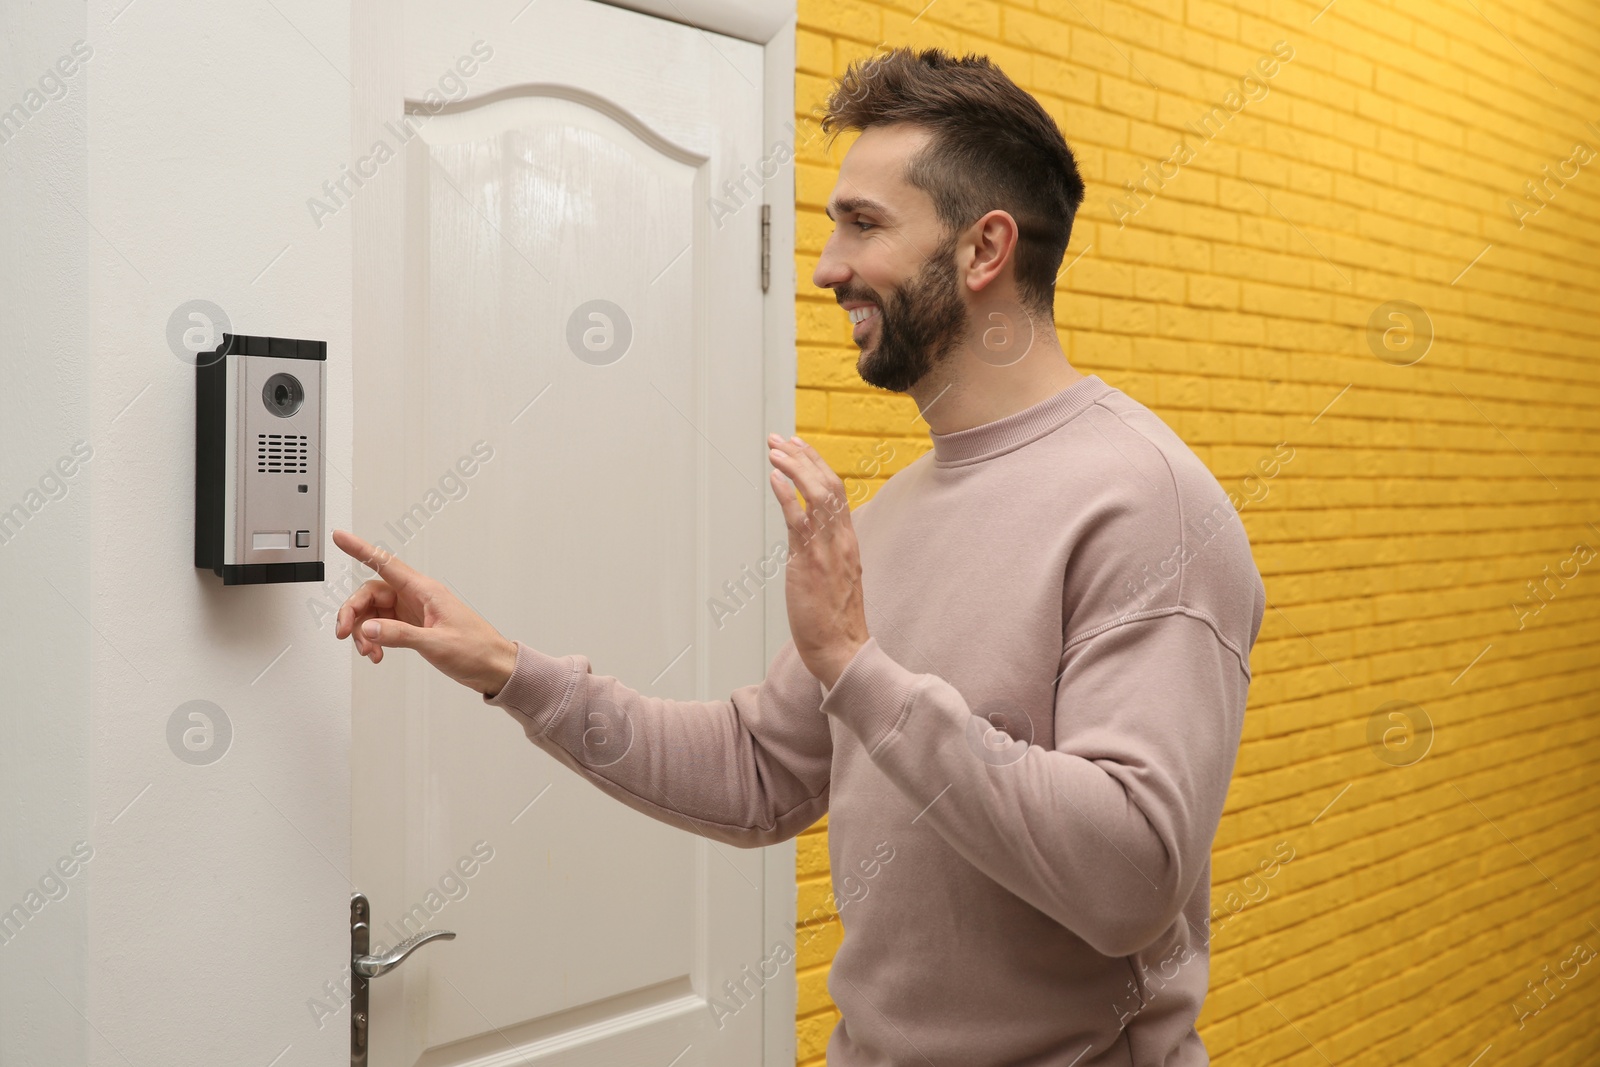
(1015, 430)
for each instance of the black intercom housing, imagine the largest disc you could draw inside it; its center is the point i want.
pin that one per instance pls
(258, 493)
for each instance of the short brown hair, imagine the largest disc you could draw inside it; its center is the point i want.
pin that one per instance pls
(992, 146)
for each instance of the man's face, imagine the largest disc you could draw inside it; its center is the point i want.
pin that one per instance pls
(890, 263)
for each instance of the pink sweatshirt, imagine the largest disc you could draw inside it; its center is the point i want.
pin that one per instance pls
(1023, 769)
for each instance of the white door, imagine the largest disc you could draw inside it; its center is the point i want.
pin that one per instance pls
(561, 409)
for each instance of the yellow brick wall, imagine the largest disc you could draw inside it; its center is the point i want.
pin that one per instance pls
(1400, 508)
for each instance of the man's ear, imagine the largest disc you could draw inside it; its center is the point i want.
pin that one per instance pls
(994, 245)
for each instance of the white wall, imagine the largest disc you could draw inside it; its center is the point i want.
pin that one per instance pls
(45, 643)
(219, 894)
(175, 166)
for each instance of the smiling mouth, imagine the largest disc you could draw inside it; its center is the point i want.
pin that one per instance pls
(862, 314)
(861, 318)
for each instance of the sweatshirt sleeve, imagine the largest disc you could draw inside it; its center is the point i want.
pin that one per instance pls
(1106, 832)
(748, 771)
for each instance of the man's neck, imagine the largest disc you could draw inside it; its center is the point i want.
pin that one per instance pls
(964, 391)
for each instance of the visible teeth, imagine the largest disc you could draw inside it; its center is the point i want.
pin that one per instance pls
(859, 314)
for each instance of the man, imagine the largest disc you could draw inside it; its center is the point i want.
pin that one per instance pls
(1022, 666)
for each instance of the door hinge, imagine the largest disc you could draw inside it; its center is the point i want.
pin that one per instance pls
(766, 246)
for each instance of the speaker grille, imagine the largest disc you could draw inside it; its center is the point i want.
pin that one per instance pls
(280, 453)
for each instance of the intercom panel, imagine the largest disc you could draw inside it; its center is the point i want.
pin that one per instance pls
(259, 423)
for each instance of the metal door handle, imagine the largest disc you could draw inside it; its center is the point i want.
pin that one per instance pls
(363, 968)
(372, 966)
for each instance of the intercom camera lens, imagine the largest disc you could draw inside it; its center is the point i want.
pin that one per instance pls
(283, 394)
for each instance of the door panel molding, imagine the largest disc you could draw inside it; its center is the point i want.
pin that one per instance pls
(483, 105)
(615, 1022)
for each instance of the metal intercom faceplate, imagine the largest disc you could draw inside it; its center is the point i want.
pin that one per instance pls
(259, 425)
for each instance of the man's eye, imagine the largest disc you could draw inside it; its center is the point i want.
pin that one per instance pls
(863, 225)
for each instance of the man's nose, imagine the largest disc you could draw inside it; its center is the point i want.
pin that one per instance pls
(830, 272)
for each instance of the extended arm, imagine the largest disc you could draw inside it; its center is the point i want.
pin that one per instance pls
(751, 770)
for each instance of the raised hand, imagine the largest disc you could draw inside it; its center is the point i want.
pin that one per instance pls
(827, 616)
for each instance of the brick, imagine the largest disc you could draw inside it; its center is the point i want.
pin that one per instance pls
(1413, 512)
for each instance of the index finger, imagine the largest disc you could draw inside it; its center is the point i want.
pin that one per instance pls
(394, 570)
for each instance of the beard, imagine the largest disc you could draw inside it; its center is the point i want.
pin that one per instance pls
(918, 326)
